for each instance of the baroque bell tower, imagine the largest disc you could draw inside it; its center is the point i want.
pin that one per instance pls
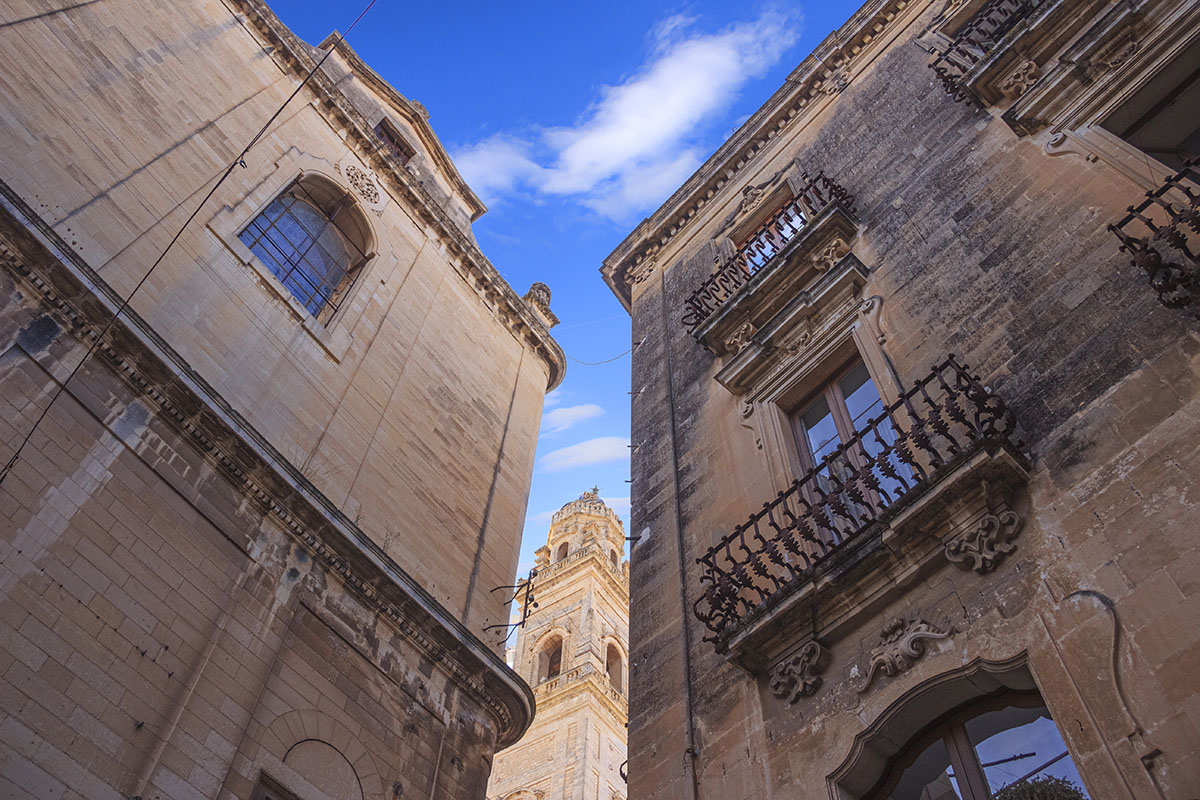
(574, 652)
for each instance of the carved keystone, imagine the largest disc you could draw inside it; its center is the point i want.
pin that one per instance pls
(903, 644)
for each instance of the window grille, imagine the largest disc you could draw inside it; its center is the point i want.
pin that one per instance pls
(311, 238)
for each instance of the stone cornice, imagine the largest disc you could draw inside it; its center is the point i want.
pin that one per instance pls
(412, 115)
(820, 77)
(43, 265)
(461, 250)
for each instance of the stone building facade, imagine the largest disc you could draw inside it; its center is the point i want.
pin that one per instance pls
(573, 650)
(916, 419)
(249, 549)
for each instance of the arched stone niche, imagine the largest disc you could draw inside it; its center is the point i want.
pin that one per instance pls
(324, 766)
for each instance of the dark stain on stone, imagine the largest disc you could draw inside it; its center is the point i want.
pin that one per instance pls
(38, 334)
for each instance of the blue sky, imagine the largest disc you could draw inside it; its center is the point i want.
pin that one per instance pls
(573, 122)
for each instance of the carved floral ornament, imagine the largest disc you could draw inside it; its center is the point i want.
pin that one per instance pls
(825, 259)
(799, 675)
(902, 644)
(1021, 79)
(362, 183)
(985, 545)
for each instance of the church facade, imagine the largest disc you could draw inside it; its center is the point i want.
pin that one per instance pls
(240, 419)
(916, 420)
(573, 650)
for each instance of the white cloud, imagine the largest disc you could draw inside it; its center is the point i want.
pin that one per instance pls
(593, 451)
(553, 398)
(637, 141)
(541, 518)
(560, 419)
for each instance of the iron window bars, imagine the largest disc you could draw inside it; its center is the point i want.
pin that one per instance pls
(892, 459)
(301, 238)
(976, 40)
(762, 245)
(1167, 252)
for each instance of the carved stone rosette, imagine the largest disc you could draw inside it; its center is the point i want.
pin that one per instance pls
(799, 675)
(902, 645)
(985, 546)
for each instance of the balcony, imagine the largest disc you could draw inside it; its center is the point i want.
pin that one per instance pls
(957, 63)
(1162, 236)
(939, 460)
(820, 214)
(594, 677)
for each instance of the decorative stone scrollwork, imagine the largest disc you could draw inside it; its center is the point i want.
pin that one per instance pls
(985, 545)
(747, 412)
(740, 337)
(361, 182)
(751, 197)
(1021, 79)
(419, 108)
(903, 644)
(825, 258)
(799, 675)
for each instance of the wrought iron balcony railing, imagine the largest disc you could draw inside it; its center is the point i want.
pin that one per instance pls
(892, 459)
(978, 38)
(1169, 249)
(762, 245)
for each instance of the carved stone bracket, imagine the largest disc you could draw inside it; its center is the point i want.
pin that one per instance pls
(799, 675)
(1021, 79)
(902, 645)
(740, 337)
(985, 546)
(828, 256)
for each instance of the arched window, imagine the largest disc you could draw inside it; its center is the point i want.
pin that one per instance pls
(614, 665)
(562, 552)
(1006, 748)
(550, 659)
(314, 239)
(612, 556)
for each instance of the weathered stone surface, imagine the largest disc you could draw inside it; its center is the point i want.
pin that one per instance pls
(978, 242)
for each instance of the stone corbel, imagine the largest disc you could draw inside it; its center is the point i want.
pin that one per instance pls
(1062, 143)
(1021, 79)
(799, 674)
(747, 412)
(982, 545)
(870, 310)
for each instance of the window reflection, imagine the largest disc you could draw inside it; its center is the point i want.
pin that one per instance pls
(1019, 746)
(930, 777)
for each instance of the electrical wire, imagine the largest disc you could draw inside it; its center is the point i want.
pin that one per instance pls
(239, 160)
(598, 363)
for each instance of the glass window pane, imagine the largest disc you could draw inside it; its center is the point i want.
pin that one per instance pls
(929, 777)
(299, 244)
(862, 399)
(1020, 748)
(820, 429)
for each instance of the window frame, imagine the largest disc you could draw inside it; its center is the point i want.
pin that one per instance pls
(951, 731)
(393, 141)
(346, 204)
